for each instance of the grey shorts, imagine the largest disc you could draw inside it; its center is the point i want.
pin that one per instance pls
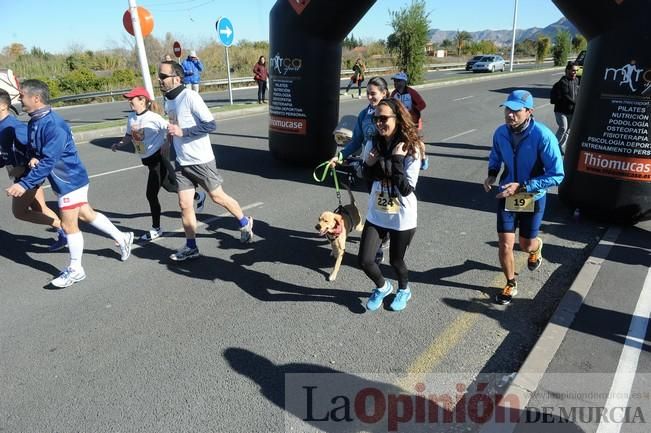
(191, 176)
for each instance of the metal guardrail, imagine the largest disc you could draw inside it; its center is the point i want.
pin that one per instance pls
(244, 80)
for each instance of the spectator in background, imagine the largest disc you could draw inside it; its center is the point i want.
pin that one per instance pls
(564, 95)
(192, 68)
(167, 58)
(260, 76)
(358, 77)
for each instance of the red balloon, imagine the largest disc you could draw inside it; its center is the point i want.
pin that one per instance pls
(146, 21)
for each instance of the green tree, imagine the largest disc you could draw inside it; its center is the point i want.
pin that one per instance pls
(579, 43)
(542, 48)
(528, 47)
(350, 42)
(562, 46)
(461, 39)
(482, 47)
(410, 35)
(447, 44)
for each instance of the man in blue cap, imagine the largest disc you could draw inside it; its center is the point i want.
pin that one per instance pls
(532, 162)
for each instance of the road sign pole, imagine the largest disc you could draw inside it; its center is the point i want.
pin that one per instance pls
(228, 70)
(226, 34)
(140, 47)
(515, 18)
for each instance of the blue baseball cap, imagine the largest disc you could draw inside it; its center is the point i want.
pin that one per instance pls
(400, 76)
(517, 100)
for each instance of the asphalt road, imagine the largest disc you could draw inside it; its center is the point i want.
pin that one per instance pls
(93, 113)
(206, 346)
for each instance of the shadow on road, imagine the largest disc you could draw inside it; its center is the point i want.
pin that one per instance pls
(334, 401)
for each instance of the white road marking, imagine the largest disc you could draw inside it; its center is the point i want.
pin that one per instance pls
(465, 97)
(201, 223)
(107, 173)
(458, 135)
(620, 390)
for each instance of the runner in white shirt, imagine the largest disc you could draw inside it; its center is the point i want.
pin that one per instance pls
(190, 123)
(147, 131)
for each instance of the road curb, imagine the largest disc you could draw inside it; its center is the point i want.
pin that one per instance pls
(531, 372)
(118, 131)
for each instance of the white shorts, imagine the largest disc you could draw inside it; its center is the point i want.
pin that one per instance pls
(74, 199)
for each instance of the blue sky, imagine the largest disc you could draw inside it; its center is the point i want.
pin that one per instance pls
(58, 25)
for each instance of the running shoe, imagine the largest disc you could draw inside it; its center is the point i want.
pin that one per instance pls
(151, 235)
(375, 300)
(59, 244)
(535, 257)
(185, 253)
(200, 199)
(246, 232)
(125, 247)
(400, 301)
(507, 294)
(68, 277)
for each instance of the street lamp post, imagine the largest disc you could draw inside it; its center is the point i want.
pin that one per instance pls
(515, 17)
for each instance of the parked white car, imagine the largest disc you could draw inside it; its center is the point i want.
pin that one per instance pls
(490, 63)
(9, 83)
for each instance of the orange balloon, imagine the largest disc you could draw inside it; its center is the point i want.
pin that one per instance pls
(146, 21)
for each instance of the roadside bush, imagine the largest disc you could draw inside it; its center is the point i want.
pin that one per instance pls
(123, 77)
(53, 85)
(80, 81)
(562, 46)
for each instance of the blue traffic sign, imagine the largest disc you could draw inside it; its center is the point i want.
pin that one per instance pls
(225, 31)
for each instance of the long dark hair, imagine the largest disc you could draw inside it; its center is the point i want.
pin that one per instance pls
(406, 129)
(380, 83)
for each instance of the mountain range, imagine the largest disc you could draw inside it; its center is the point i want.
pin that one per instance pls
(503, 37)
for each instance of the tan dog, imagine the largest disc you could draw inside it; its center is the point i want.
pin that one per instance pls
(336, 225)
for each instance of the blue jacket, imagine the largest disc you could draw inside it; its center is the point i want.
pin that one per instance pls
(537, 159)
(51, 142)
(192, 69)
(364, 130)
(13, 142)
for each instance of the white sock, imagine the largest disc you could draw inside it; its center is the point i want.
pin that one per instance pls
(103, 224)
(76, 248)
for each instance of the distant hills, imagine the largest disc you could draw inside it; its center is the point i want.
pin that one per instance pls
(503, 37)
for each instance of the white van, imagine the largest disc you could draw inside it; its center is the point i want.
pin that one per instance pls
(9, 83)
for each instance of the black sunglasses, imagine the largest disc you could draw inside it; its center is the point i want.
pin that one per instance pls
(383, 119)
(162, 76)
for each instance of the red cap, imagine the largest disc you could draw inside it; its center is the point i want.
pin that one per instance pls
(138, 91)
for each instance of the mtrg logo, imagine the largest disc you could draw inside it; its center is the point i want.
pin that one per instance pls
(282, 65)
(637, 79)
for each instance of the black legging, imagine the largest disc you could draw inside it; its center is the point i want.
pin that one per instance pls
(159, 176)
(359, 86)
(262, 88)
(371, 239)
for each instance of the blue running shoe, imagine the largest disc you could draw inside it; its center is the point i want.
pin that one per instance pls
(400, 301)
(375, 300)
(59, 244)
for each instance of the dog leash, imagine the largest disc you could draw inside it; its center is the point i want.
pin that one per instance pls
(324, 174)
